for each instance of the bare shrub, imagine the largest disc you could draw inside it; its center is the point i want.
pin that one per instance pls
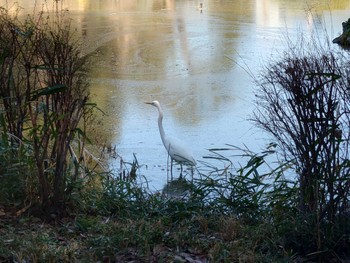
(304, 102)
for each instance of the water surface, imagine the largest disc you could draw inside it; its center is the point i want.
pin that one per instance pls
(194, 61)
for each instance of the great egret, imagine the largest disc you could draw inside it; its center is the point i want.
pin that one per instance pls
(176, 149)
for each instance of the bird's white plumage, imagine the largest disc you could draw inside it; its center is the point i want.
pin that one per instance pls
(176, 149)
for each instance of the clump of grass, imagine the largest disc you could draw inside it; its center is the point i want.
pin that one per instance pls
(121, 221)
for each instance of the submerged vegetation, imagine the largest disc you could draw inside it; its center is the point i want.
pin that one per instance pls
(56, 205)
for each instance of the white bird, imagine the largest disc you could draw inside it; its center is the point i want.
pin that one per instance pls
(176, 149)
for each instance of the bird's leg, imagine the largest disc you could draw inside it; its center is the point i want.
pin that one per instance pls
(171, 170)
(180, 171)
(167, 170)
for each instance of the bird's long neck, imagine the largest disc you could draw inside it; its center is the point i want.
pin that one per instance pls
(160, 125)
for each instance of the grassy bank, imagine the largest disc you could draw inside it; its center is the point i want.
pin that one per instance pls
(194, 237)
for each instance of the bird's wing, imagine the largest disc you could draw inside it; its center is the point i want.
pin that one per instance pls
(179, 151)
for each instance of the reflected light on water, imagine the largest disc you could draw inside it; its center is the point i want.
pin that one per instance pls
(267, 13)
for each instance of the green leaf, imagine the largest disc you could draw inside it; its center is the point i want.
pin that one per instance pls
(48, 91)
(83, 134)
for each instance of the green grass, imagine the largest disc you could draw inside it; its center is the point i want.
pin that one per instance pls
(231, 214)
(226, 215)
(117, 221)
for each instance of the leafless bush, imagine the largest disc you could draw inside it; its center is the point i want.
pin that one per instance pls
(304, 102)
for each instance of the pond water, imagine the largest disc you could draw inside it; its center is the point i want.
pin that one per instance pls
(194, 60)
